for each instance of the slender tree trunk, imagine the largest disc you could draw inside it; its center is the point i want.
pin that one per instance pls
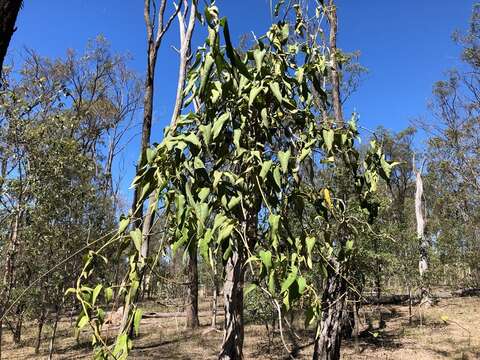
(331, 13)
(54, 334)
(329, 334)
(9, 10)
(41, 322)
(186, 32)
(232, 346)
(17, 334)
(423, 243)
(215, 298)
(328, 340)
(1, 337)
(192, 307)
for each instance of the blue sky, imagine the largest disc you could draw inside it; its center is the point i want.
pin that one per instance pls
(406, 45)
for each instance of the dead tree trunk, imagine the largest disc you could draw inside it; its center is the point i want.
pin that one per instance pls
(192, 307)
(9, 10)
(423, 243)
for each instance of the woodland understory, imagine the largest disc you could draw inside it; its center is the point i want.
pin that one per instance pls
(263, 221)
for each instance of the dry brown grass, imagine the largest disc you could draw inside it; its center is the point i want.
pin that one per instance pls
(449, 330)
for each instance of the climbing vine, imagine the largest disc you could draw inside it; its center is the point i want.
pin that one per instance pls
(229, 175)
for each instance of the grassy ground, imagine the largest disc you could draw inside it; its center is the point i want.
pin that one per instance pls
(449, 330)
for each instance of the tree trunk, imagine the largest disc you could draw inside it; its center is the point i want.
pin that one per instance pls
(331, 13)
(423, 243)
(215, 298)
(1, 337)
(39, 334)
(232, 346)
(328, 340)
(17, 334)
(192, 307)
(9, 10)
(54, 334)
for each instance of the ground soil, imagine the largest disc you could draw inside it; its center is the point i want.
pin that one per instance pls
(448, 330)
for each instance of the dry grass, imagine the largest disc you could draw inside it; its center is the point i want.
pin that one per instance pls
(449, 330)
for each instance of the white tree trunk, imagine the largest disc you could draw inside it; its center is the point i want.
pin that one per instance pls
(419, 214)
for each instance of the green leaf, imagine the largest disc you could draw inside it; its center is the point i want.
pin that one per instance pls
(387, 167)
(299, 74)
(302, 283)
(266, 165)
(205, 73)
(277, 177)
(82, 322)
(206, 131)
(150, 155)
(253, 94)
(95, 293)
(266, 257)
(234, 201)
(275, 87)
(305, 152)
(204, 244)
(193, 139)
(310, 241)
(292, 276)
(328, 136)
(203, 194)
(108, 293)
(271, 282)
(284, 157)
(123, 225)
(136, 236)
(202, 212)
(249, 288)
(198, 163)
(218, 124)
(225, 232)
(136, 320)
(259, 55)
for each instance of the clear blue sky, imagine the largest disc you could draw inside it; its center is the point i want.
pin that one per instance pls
(406, 45)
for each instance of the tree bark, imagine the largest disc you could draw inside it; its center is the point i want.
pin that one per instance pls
(9, 10)
(192, 307)
(331, 13)
(17, 335)
(329, 338)
(54, 334)
(215, 298)
(1, 337)
(423, 243)
(154, 40)
(39, 335)
(232, 345)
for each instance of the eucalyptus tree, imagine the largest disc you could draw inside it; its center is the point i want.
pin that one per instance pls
(227, 174)
(62, 122)
(453, 161)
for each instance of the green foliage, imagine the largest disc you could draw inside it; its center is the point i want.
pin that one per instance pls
(229, 175)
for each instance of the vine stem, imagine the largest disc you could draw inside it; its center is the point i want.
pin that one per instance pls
(36, 281)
